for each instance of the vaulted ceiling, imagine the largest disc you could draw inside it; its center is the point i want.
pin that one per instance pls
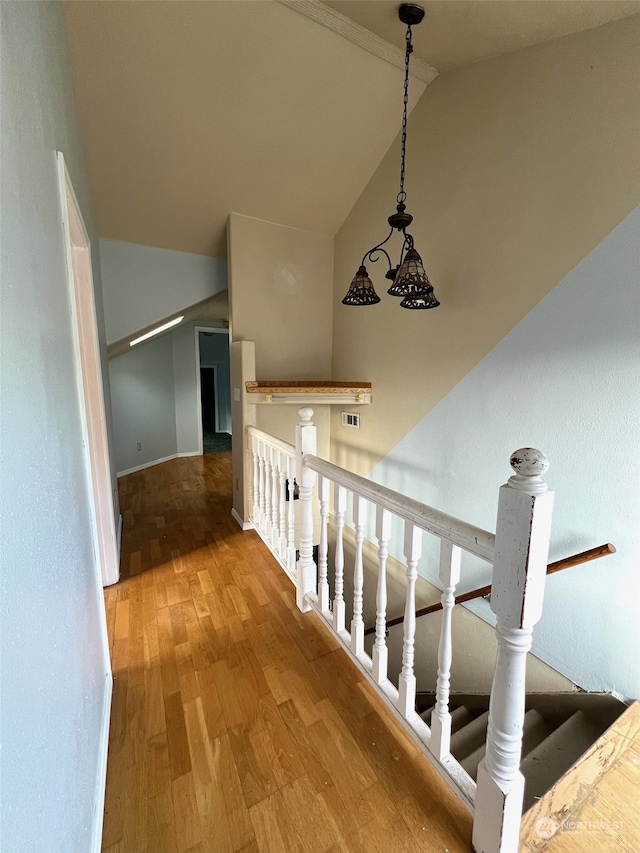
(459, 32)
(192, 110)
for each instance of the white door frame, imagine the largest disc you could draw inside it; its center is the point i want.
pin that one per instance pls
(89, 373)
(216, 331)
(216, 413)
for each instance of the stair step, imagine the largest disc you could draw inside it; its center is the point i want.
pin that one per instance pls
(459, 717)
(426, 715)
(469, 737)
(551, 758)
(534, 731)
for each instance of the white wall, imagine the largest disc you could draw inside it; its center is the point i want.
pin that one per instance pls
(185, 373)
(143, 403)
(185, 388)
(143, 285)
(280, 297)
(518, 167)
(54, 672)
(154, 396)
(566, 379)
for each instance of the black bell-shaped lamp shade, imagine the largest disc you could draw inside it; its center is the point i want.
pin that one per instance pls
(421, 300)
(361, 290)
(411, 278)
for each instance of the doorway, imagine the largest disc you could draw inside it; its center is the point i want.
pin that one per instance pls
(90, 388)
(215, 390)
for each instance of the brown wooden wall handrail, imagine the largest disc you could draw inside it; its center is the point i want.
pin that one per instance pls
(558, 566)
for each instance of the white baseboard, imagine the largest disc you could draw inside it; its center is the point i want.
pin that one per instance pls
(101, 785)
(147, 465)
(158, 462)
(244, 525)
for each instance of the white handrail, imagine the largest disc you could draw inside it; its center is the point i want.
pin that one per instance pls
(473, 539)
(518, 552)
(287, 449)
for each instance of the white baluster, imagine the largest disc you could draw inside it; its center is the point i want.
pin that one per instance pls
(306, 577)
(256, 484)
(275, 479)
(267, 493)
(340, 499)
(357, 624)
(407, 680)
(450, 556)
(521, 553)
(261, 486)
(380, 651)
(282, 521)
(291, 517)
(323, 583)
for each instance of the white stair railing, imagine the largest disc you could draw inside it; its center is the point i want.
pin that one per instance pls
(518, 550)
(273, 487)
(520, 567)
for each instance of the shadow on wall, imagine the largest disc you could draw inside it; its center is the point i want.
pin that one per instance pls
(474, 640)
(404, 474)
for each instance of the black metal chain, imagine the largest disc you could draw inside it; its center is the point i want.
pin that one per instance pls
(402, 196)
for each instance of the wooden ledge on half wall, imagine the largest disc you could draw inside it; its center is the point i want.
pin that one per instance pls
(306, 392)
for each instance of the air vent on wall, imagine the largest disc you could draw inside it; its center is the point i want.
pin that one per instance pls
(350, 419)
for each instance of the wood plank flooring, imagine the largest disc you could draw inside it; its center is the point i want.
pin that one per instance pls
(238, 725)
(596, 804)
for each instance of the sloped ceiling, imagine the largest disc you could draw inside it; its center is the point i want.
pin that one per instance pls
(459, 32)
(192, 110)
(213, 310)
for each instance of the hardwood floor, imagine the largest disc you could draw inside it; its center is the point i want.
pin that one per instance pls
(595, 806)
(237, 722)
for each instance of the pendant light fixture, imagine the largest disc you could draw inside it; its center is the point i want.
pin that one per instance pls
(409, 279)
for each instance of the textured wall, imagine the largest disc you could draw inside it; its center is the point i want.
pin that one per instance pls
(143, 403)
(517, 167)
(143, 285)
(280, 297)
(154, 397)
(53, 664)
(567, 380)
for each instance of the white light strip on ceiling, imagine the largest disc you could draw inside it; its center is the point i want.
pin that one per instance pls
(157, 331)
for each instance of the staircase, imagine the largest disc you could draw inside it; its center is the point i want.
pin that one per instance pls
(558, 729)
(481, 763)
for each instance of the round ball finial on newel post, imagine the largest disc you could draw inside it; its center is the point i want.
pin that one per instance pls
(530, 466)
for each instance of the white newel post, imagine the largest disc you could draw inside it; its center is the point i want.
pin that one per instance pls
(450, 558)
(306, 443)
(521, 552)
